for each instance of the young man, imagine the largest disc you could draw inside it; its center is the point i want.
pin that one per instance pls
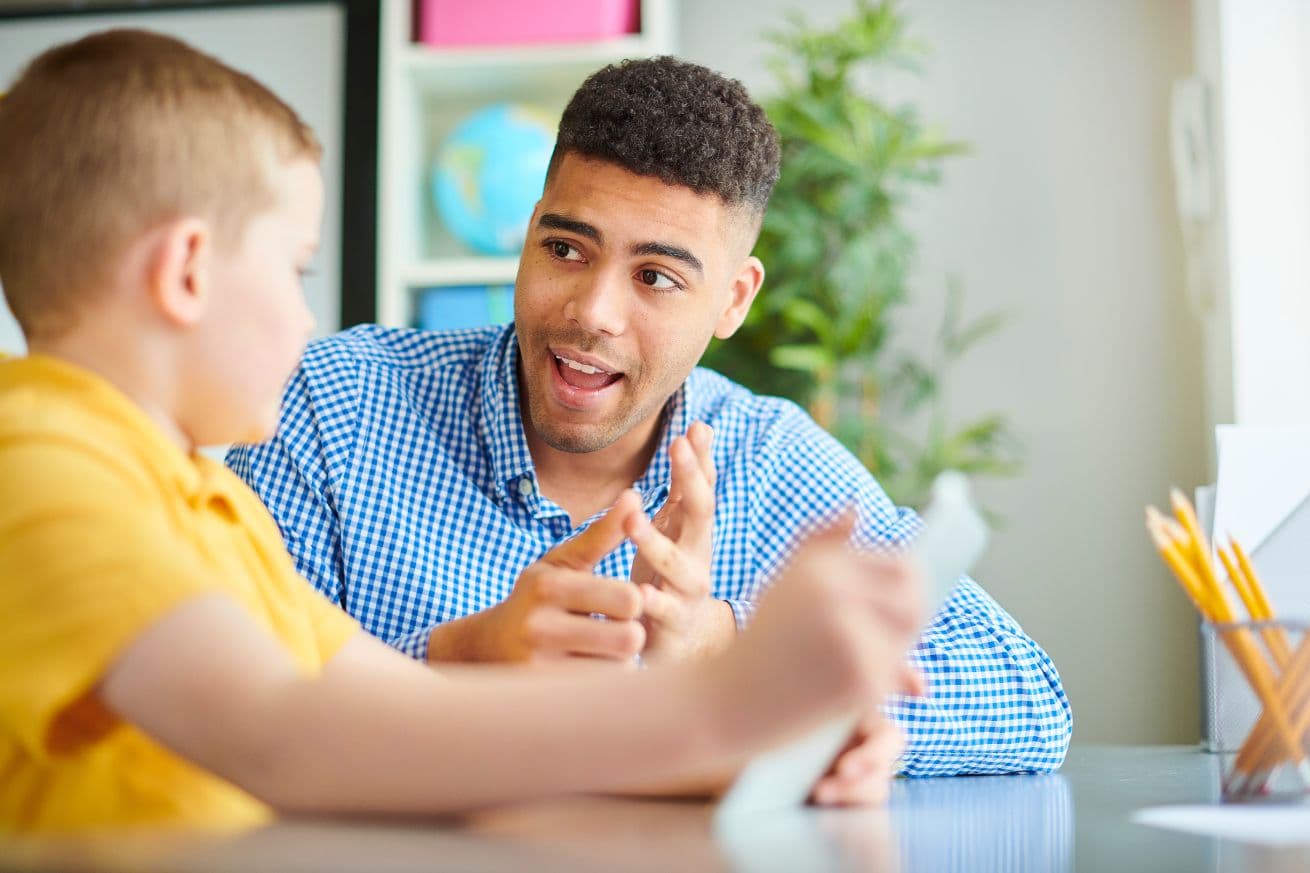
(161, 663)
(418, 477)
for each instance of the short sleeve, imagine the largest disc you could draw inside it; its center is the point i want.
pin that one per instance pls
(86, 567)
(329, 624)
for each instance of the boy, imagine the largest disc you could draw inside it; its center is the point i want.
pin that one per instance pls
(160, 661)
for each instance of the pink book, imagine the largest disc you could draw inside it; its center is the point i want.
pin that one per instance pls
(523, 22)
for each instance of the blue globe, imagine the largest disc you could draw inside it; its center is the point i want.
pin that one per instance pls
(489, 175)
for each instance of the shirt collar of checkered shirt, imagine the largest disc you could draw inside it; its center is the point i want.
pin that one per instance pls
(501, 427)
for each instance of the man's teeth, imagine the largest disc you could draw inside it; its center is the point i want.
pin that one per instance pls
(581, 368)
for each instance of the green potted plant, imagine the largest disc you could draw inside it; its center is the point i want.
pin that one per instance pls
(837, 258)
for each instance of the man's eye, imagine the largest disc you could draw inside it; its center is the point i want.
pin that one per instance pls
(657, 280)
(564, 251)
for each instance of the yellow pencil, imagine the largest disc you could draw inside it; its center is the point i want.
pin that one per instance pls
(1200, 546)
(1274, 639)
(1247, 568)
(1175, 558)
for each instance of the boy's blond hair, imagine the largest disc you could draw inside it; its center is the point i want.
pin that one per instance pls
(106, 137)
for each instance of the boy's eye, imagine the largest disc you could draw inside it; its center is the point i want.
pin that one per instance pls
(656, 280)
(563, 250)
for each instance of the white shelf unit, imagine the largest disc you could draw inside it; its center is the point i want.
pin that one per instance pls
(424, 92)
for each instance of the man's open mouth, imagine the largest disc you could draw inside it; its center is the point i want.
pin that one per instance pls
(584, 375)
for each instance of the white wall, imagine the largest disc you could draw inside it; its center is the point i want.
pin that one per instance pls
(1254, 54)
(1062, 215)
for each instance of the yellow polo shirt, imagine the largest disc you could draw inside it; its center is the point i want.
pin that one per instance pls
(105, 527)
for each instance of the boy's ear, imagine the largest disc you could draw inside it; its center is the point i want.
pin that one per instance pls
(179, 270)
(745, 285)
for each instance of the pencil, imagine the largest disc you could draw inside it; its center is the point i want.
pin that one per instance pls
(1200, 547)
(1275, 640)
(1174, 557)
(1249, 570)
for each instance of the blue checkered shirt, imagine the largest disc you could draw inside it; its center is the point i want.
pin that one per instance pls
(401, 479)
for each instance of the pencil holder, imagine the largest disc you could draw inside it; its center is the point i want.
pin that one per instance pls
(1261, 699)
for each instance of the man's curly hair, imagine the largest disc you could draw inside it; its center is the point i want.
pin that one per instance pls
(677, 121)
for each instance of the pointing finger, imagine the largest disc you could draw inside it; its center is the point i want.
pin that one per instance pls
(584, 551)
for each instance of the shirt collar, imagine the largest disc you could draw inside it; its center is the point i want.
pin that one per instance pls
(195, 477)
(501, 423)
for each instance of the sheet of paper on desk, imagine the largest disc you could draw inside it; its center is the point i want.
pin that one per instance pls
(1267, 825)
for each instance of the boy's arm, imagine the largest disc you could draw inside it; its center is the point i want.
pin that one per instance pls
(379, 733)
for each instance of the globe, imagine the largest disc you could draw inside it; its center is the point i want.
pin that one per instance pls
(489, 173)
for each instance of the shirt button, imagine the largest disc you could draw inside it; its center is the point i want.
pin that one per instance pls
(525, 486)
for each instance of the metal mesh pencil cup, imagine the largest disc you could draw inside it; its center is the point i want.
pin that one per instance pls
(1260, 707)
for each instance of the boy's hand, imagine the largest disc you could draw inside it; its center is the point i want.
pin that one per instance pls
(830, 636)
(672, 567)
(549, 614)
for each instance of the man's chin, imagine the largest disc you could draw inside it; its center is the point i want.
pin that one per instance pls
(577, 440)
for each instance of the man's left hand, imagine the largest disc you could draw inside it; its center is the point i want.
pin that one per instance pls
(863, 772)
(672, 567)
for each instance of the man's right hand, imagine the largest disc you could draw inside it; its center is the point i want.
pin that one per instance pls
(550, 614)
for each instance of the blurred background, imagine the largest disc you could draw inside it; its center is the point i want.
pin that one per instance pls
(1107, 204)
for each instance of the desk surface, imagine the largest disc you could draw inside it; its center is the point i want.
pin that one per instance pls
(1077, 819)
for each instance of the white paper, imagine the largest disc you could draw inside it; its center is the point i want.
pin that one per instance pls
(1263, 499)
(1266, 825)
(1264, 474)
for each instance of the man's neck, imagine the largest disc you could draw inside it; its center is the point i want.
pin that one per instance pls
(584, 483)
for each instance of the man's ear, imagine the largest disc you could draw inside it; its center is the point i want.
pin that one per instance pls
(179, 270)
(745, 285)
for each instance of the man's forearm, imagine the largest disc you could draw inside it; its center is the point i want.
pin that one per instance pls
(720, 631)
(1015, 716)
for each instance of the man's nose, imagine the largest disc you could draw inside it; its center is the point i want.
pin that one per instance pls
(599, 305)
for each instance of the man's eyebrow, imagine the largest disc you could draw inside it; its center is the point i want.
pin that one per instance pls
(555, 221)
(670, 251)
